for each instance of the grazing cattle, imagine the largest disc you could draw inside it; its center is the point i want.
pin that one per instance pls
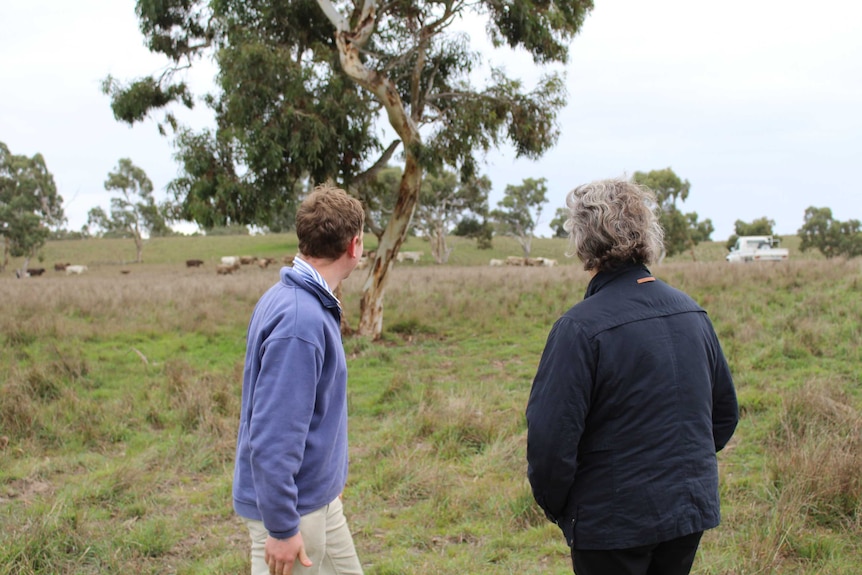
(36, 271)
(224, 270)
(495, 262)
(229, 260)
(264, 262)
(516, 261)
(545, 262)
(194, 263)
(412, 256)
(60, 267)
(247, 260)
(76, 270)
(125, 272)
(288, 260)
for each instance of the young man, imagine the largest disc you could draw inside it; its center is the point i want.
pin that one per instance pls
(631, 401)
(291, 455)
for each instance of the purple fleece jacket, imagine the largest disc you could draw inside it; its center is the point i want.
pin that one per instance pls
(291, 453)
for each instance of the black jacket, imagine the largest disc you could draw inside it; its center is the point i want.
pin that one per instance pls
(632, 399)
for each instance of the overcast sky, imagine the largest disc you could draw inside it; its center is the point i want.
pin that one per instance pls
(758, 103)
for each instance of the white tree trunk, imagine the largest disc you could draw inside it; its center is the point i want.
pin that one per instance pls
(350, 42)
(371, 302)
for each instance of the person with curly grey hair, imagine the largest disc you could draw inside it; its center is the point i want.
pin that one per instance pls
(632, 400)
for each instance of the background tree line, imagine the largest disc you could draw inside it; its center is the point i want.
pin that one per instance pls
(31, 211)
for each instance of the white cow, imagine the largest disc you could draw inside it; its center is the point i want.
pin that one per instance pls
(496, 262)
(546, 262)
(77, 270)
(230, 260)
(412, 256)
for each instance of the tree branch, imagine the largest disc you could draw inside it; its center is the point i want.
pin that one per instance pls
(333, 16)
(381, 162)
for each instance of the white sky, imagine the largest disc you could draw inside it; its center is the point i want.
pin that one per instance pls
(758, 104)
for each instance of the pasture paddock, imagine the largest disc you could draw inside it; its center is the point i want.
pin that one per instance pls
(120, 393)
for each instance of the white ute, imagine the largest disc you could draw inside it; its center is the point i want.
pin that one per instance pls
(757, 249)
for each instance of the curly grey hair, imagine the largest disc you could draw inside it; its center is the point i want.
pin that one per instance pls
(613, 222)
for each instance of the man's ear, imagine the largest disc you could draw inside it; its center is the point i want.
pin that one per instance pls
(353, 248)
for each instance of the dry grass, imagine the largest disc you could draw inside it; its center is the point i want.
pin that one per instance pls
(120, 396)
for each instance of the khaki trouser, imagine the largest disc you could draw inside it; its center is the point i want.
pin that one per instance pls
(327, 540)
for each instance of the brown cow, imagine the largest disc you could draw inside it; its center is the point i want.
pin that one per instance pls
(224, 270)
(194, 263)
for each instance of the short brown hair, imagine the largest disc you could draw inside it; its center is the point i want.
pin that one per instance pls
(612, 223)
(327, 219)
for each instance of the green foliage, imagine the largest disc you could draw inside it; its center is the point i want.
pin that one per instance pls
(520, 210)
(682, 231)
(829, 236)
(288, 110)
(378, 195)
(133, 102)
(759, 227)
(134, 212)
(558, 223)
(29, 204)
(308, 89)
(444, 199)
(483, 232)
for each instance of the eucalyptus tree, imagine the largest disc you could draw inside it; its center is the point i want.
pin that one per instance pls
(29, 205)
(482, 231)
(681, 231)
(520, 211)
(558, 223)
(829, 236)
(331, 90)
(443, 201)
(133, 211)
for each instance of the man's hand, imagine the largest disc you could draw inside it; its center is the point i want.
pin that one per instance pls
(281, 554)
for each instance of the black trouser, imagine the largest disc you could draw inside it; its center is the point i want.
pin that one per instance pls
(672, 557)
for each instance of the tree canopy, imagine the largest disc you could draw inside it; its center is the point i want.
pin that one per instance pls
(520, 211)
(29, 204)
(561, 215)
(444, 200)
(134, 211)
(317, 90)
(682, 231)
(831, 237)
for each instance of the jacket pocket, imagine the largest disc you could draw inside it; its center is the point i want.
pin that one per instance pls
(567, 526)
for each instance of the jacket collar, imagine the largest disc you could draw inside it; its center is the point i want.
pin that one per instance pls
(603, 278)
(291, 276)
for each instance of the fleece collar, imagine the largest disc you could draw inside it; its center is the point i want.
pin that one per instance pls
(603, 278)
(295, 276)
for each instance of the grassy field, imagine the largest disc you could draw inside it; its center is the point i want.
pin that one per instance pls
(119, 397)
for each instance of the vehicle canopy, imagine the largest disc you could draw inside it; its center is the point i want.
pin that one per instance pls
(747, 243)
